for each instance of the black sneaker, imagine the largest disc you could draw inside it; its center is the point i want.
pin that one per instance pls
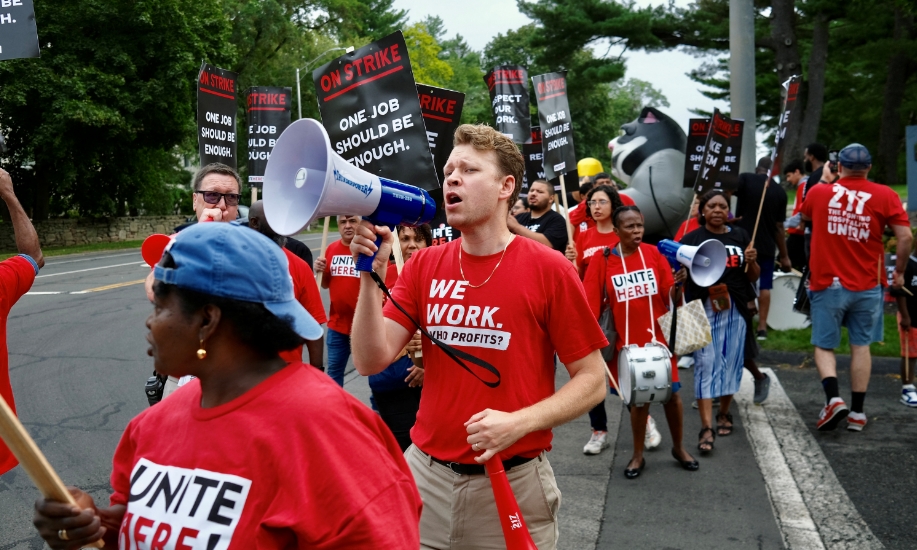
(762, 388)
(762, 335)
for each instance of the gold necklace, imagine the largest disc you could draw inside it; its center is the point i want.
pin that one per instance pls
(462, 271)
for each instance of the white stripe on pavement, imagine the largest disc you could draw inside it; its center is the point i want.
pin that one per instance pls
(53, 263)
(811, 507)
(89, 269)
(37, 293)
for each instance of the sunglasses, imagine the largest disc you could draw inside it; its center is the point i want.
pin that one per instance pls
(213, 197)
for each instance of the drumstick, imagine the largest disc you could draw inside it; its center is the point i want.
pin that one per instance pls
(613, 382)
(324, 243)
(515, 533)
(33, 461)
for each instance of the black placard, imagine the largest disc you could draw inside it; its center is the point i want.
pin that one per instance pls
(370, 109)
(694, 150)
(718, 168)
(556, 126)
(216, 115)
(534, 170)
(509, 100)
(442, 112)
(792, 89)
(18, 31)
(268, 116)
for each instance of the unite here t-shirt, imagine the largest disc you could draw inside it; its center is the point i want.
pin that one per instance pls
(532, 305)
(261, 472)
(306, 290)
(344, 286)
(16, 277)
(848, 218)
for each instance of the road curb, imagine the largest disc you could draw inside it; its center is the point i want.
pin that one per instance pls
(880, 365)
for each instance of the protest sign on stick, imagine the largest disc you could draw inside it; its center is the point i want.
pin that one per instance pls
(442, 113)
(559, 156)
(509, 100)
(370, 109)
(534, 170)
(269, 115)
(216, 116)
(720, 159)
(18, 31)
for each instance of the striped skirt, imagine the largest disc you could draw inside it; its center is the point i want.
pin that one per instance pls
(718, 366)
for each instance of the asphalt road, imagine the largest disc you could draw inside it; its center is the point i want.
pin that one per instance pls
(78, 363)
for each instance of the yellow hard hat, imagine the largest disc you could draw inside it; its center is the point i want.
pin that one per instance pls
(588, 167)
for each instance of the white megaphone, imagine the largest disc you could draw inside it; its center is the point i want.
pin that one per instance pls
(305, 180)
(706, 263)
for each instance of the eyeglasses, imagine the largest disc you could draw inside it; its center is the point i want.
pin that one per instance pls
(600, 202)
(213, 197)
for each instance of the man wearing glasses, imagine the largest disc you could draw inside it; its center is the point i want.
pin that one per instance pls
(217, 189)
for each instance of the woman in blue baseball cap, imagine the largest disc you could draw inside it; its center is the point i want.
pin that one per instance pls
(253, 453)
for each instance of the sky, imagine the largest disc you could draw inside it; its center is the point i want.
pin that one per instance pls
(478, 21)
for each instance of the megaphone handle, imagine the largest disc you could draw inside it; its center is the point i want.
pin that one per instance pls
(365, 261)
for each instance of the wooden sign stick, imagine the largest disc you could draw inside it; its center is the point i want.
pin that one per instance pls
(324, 243)
(758, 219)
(33, 461)
(563, 197)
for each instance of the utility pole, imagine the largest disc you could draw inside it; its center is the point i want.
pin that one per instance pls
(742, 75)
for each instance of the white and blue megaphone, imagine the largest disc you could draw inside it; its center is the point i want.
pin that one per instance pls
(706, 263)
(305, 180)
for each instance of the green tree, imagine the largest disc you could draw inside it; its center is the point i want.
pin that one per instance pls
(424, 51)
(95, 124)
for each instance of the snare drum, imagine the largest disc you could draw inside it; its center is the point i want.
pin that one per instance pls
(644, 374)
(782, 316)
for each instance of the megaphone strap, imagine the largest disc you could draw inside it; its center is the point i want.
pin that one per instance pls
(455, 354)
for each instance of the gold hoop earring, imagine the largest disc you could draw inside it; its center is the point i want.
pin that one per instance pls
(201, 352)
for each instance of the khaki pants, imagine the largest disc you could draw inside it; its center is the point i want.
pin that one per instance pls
(459, 512)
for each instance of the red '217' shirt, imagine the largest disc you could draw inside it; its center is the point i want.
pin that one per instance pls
(533, 305)
(848, 218)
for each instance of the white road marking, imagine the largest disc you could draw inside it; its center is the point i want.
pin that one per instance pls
(53, 263)
(811, 507)
(38, 293)
(89, 269)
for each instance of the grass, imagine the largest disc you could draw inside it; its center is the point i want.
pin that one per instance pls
(95, 247)
(799, 340)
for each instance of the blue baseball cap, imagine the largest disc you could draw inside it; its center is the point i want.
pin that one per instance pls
(226, 260)
(855, 157)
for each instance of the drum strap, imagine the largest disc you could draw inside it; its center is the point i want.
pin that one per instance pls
(627, 302)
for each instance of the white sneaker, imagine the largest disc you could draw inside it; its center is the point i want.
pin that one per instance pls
(686, 362)
(909, 395)
(653, 438)
(597, 442)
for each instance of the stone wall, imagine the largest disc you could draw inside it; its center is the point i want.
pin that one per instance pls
(70, 232)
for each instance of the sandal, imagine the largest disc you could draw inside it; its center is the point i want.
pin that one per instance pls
(723, 429)
(706, 445)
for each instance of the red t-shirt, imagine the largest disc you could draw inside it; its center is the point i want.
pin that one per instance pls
(306, 290)
(16, 277)
(848, 218)
(582, 222)
(687, 226)
(797, 206)
(592, 242)
(639, 286)
(294, 462)
(344, 286)
(531, 306)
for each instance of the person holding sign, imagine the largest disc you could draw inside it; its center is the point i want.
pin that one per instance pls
(483, 302)
(343, 282)
(16, 277)
(718, 366)
(254, 452)
(630, 298)
(847, 269)
(540, 223)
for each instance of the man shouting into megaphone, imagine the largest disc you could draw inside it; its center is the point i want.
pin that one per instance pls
(489, 385)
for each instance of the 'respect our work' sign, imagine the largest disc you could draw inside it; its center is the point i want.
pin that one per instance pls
(509, 99)
(442, 111)
(371, 111)
(18, 31)
(719, 167)
(534, 170)
(216, 116)
(556, 125)
(726, 156)
(268, 116)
